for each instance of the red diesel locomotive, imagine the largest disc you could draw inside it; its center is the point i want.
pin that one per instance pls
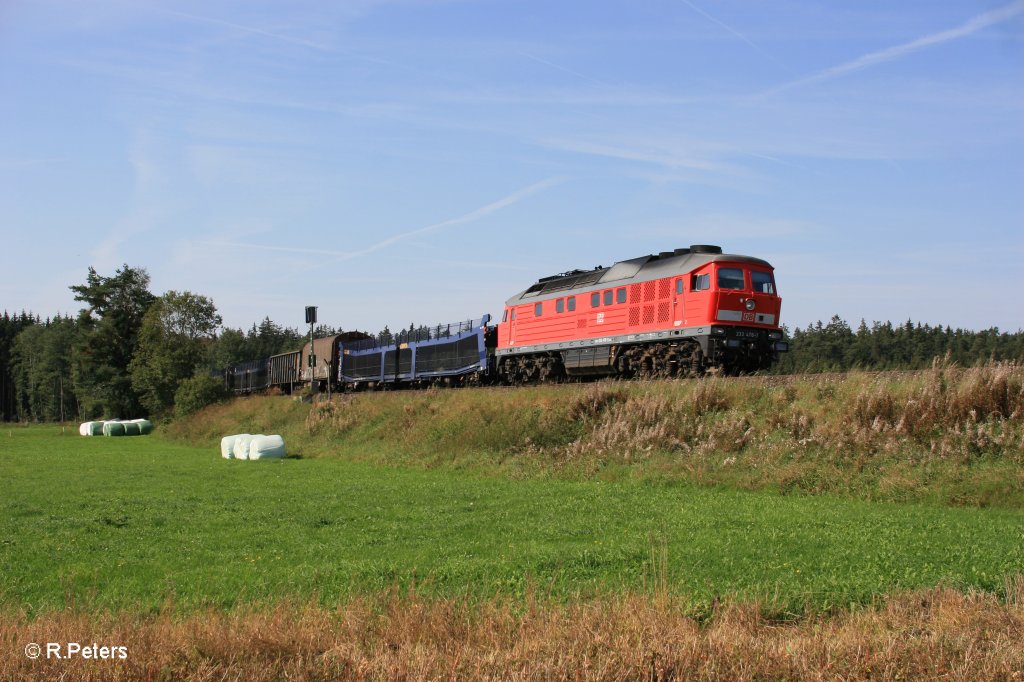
(681, 312)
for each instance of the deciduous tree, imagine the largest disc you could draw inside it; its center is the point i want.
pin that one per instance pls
(172, 346)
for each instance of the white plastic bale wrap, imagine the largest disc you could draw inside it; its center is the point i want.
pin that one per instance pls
(145, 426)
(241, 446)
(91, 429)
(227, 446)
(266, 447)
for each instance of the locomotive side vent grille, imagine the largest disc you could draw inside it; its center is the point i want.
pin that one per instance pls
(648, 314)
(635, 293)
(649, 291)
(664, 289)
(634, 316)
(663, 312)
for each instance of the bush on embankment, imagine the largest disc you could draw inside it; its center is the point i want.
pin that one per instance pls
(948, 434)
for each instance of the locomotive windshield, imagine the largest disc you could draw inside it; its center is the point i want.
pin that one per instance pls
(731, 278)
(763, 282)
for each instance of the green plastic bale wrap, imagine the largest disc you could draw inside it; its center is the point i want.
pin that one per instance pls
(91, 429)
(113, 429)
(145, 426)
(131, 429)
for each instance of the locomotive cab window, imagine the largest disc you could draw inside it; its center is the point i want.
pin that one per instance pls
(731, 278)
(560, 305)
(620, 295)
(700, 282)
(608, 297)
(513, 314)
(595, 300)
(571, 303)
(504, 318)
(763, 282)
(538, 309)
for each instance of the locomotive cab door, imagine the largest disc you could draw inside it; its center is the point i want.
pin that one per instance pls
(677, 301)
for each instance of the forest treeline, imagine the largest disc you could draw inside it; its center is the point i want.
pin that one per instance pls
(127, 353)
(835, 346)
(130, 353)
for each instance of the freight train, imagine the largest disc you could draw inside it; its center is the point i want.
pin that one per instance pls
(686, 312)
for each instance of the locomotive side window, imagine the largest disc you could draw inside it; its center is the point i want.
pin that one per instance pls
(762, 281)
(679, 286)
(504, 318)
(560, 305)
(700, 282)
(595, 299)
(538, 309)
(620, 295)
(608, 297)
(731, 278)
(513, 314)
(572, 303)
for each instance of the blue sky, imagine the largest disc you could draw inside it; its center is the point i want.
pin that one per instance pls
(422, 160)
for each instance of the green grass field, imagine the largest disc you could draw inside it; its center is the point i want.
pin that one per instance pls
(145, 524)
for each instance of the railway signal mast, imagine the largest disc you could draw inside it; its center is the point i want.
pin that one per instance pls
(311, 321)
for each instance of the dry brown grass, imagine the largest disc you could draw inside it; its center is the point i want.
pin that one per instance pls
(936, 634)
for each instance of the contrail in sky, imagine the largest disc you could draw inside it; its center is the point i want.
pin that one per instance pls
(242, 27)
(562, 68)
(973, 25)
(728, 28)
(470, 217)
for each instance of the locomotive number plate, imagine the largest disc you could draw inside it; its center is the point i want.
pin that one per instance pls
(748, 317)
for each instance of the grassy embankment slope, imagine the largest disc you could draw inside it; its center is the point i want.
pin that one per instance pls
(553, 532)
(949, 435)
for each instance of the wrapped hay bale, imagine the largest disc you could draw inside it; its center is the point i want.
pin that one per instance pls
(241, 446)
(266, 447)
(227, 446)
(145, 426)
(131, 429)
(113, 429)
(91, 429)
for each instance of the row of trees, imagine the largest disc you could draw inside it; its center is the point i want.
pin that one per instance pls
(835, 346)
(127, 353)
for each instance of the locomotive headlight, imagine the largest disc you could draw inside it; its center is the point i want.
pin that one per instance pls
(718, 330)
(750, 304)
(775, 335)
